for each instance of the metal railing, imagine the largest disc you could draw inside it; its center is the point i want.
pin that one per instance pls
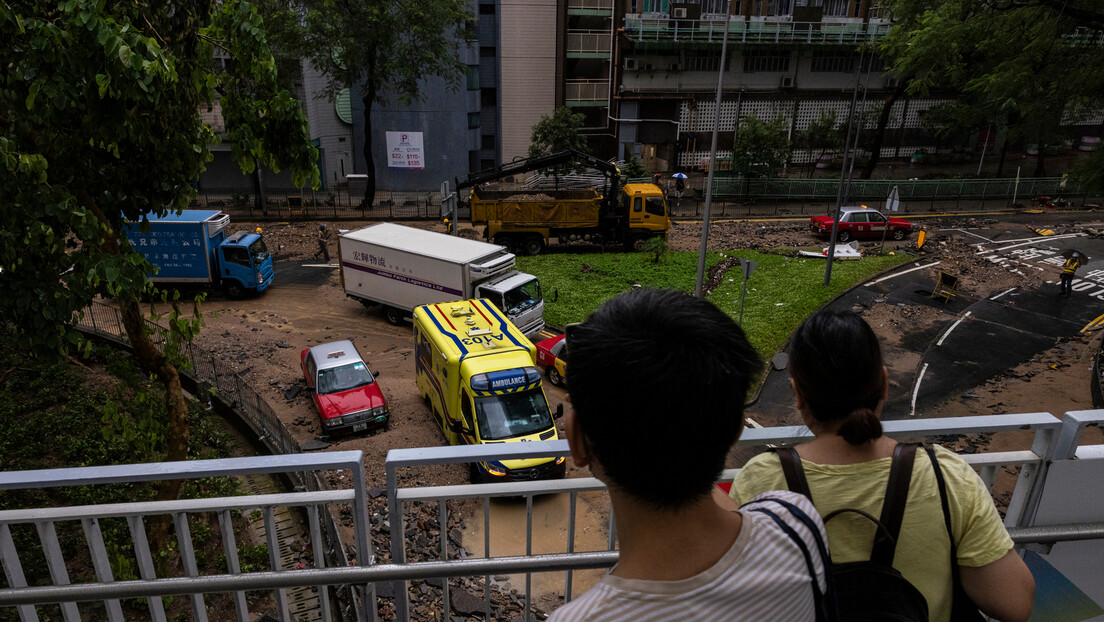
(908, 189)
(1053, 440)
(344, 203)
(644, 30)
(47, 522)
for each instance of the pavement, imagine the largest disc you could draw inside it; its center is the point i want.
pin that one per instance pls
(973, 339)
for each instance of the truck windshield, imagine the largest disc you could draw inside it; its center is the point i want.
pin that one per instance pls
(338, 379)
(523, 297)
(512, 414)
(259, 251)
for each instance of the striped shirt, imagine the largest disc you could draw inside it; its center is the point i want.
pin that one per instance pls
(762, 577)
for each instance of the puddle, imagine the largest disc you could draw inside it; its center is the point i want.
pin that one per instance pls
(550, 531)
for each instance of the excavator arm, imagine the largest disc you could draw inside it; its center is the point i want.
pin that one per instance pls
(531, 164)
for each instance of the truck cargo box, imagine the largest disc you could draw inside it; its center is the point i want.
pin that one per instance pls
(564, 208)
(182, 245)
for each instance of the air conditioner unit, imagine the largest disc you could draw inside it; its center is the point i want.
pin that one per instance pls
(891, 83)
(630, 64)
(676, 66)
(678, 12)
(787, 82)
(648, 67)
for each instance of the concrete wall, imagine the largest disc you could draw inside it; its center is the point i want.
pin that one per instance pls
(527, 54)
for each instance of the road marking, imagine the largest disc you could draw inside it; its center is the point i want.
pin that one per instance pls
(319, 265)
(916, 389)
(1045, 231)
(1029, 241)
(1096, 324)
(886, 278)
(1003, 293)
(953, 326)
(753, 423)
(969, 233)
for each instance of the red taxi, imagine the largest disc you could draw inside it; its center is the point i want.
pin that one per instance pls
(552, 355)
(345, 391)
(859, 221)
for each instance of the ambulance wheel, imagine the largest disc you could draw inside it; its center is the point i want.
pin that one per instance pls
(234, 290)
(474, 476)
(554, 377)
(393, 315)
(843, 236)
(533, 245)
(899, 234)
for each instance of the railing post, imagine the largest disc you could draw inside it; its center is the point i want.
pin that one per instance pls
(398, 555)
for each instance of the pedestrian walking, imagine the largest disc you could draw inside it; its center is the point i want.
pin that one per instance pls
(324, 235)
(680, 187)
(1073, 262)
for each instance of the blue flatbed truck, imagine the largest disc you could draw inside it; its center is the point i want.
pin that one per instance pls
(193, 247)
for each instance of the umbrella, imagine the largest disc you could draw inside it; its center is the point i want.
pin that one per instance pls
(1069, 253)
(679, 176)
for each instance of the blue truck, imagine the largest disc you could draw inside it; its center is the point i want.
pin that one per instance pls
(193, 247)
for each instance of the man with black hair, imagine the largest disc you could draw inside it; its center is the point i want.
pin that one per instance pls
(324, 236)
(658, 380)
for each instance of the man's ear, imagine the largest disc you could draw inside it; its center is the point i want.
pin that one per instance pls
(576, 440)
(797, 395)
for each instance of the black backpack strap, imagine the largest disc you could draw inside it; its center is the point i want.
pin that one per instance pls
(792, 469)
(893, 508)
(946, 509)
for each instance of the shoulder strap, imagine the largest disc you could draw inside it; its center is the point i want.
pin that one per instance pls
(946, 507)
(792, 469)
(893, 508)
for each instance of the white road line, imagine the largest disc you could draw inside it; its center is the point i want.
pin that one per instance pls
(953, 326)
(969, 233)
(1003, 293)
(886, 278)
(1030, 241)
(916, 389)
(753, 423)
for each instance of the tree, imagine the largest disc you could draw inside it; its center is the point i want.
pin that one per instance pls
(101, 125)
(634, 168)
(388, 47)
(1033, 61)
(822, 136)
(556, 133)
(760, 148)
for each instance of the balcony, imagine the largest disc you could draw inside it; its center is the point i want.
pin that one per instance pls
(588, 44)
(660, 32)
(1051, 513)
(587, 92)
(590, 7)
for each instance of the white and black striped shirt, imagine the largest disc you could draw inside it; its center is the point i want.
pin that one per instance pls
(762, 577)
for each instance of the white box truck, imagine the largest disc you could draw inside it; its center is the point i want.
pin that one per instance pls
(403, 267)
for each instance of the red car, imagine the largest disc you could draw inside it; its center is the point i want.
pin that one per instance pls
(344, 389)
(552, 355)
(859, 221)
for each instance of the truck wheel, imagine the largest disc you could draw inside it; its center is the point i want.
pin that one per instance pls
(393, 315)
(554, 377)
(474, 476)
(899, 234)
(234, 290)
(505, 240)
(843, 236)
(533, 245)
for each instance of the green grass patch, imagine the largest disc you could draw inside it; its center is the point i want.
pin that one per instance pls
(782, 291)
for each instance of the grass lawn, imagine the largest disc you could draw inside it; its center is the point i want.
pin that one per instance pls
(781, 292)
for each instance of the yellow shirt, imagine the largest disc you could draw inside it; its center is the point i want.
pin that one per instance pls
(923, 550)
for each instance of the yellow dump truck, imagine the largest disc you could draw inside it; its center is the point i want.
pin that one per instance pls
(525, 221)
(476, 372)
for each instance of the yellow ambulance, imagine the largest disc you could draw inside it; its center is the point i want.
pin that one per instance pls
(475, 371)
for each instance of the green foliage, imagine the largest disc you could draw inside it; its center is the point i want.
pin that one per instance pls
(657, 249)
(760, 148)
(781, 293)
(634, 169)
(823, 134)
(558, 133)
(102, 125)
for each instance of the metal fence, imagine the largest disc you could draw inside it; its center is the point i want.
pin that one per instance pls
(1023, 189)
(239, 397)
(346, 203)
(1053, 441)
(659, 29)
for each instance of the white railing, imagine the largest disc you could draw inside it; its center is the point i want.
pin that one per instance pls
(588, 41)
(767, 30)
(586, 90)
(1052, 442)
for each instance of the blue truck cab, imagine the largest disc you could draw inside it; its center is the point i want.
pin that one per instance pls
(193, 247)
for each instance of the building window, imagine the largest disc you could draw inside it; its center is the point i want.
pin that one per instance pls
(654, 6)
(766, 61)
(779, 7)
(835, 8)
(473, 77)
(487, 52)
(473, 120)
(486, 9)
(488, 97)
(488, 142)
(703, 63)
(834, 63)
(714, 7)
(486, 164)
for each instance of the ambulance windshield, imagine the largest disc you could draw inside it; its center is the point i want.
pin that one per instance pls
(512, 414)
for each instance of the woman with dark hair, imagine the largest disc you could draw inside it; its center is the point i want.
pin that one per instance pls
(840, 383)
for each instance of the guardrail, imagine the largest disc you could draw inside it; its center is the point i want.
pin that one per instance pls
(643, 29)
(1053, 441)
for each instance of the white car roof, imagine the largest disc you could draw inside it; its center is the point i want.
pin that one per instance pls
(335, 354)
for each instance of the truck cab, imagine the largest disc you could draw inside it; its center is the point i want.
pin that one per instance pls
(476, 372)
(518, 295)
(647, 210)
(244, 263)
